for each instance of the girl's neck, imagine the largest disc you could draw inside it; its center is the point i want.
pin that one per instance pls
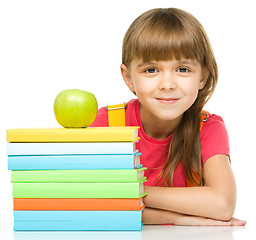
(157, 128)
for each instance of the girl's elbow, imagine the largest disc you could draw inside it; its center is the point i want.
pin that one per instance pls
(226, 208)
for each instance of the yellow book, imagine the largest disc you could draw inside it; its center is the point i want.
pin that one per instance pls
(90, 134)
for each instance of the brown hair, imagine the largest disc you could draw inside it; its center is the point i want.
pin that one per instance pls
(166, 34)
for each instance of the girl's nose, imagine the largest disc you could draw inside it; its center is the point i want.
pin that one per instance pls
(167, 82)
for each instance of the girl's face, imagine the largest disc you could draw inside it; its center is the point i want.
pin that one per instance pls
(165, 89)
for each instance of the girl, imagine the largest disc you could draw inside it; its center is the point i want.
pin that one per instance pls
(168, 63)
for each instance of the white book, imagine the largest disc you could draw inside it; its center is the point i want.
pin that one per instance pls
(71, 148)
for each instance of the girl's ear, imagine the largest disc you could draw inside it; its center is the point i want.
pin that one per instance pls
(127, 77)
(205, 75)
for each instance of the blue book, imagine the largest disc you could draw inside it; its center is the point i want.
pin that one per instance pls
(78, 220)
(71, 148)
(74, 162)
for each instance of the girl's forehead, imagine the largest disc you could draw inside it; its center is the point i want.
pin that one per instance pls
(141, 62)
(171, 53)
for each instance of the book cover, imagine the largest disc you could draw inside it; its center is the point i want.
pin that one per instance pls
(90, 134)
(78, 204)
(78, 190)
(70, 148)
(74, 161)
(78, 176)
(78, 220)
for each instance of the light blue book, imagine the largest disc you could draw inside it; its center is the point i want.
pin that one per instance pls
(74, 162)
(78, 220)
(71, 148)
(83, 235)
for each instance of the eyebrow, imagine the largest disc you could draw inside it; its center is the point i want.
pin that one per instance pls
(145, 64)
(192, 62)
(187, 61)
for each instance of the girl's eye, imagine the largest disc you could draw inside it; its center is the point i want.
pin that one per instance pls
(151, 70)
(183, 70)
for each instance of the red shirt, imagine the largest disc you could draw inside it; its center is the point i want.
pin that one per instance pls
(214, 140)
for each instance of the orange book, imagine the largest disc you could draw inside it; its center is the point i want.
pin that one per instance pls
(78, 204)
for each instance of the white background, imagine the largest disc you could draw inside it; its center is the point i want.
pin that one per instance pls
(47, 46)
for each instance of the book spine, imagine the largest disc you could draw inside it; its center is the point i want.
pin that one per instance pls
(70, 148)
(76, 204)
(77, 190)
(68, 162)
(77, 220)
(75, 176)
(106, 134)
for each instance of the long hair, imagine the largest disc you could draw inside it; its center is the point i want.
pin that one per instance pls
(167, 34)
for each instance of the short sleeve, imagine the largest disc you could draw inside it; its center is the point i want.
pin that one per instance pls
(101, 118)
(214, 138)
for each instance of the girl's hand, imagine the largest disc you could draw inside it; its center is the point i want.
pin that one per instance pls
(159, 216)
(187, 220)
(237, 222)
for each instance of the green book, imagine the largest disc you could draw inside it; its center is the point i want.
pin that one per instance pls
(79, 190)
(78, 176)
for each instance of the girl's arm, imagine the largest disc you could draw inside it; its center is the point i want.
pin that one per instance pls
(158, 216)
(216, 200)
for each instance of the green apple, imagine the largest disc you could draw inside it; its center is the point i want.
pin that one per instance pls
(75, 108)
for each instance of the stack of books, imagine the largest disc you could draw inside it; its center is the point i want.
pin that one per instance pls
(76, 179)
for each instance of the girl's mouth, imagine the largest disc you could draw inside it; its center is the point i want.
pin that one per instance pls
(167, 100)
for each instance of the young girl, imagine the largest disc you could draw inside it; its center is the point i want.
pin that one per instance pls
(168, 63)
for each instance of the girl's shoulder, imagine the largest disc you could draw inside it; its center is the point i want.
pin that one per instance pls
(214, 138)
(214, 131)
(102, 116)
(214, 121)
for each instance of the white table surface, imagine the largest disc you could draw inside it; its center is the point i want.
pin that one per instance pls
(149, 232)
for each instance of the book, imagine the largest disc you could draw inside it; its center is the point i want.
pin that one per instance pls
(78, 235)
(90, 134)
(74, 161)
(78, 176)
(77, 220)
(79, 190)
(71, 148)
(78, 204)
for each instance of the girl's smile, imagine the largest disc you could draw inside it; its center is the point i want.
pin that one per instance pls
(167, 100)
